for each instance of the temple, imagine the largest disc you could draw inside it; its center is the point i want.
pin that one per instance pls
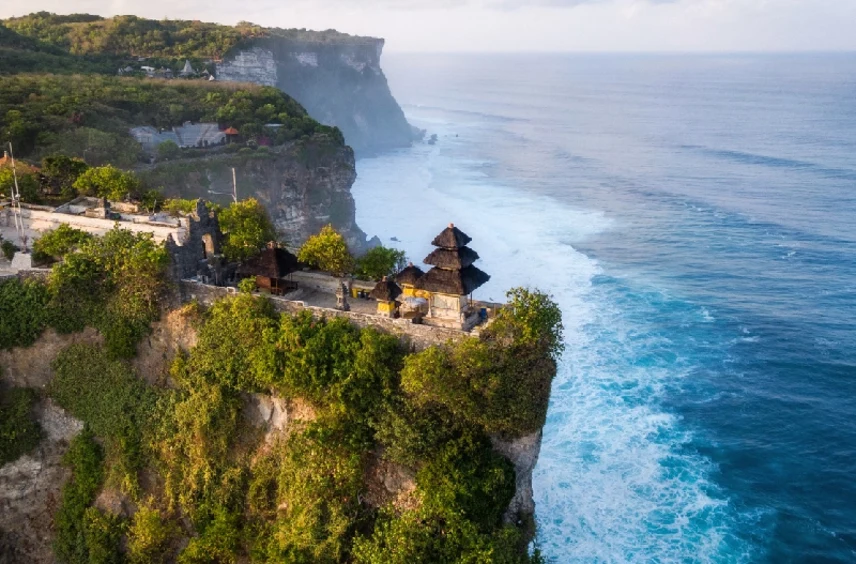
(448, 286)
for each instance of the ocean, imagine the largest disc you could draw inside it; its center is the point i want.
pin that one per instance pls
(695, 218)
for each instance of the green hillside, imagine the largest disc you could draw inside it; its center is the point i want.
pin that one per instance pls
(89, 116)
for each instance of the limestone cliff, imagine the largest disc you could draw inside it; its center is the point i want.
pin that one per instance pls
(304, 185)
(338, 82)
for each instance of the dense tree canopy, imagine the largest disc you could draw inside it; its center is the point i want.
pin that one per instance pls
(327, 251)
(247, 228)
(90, 116)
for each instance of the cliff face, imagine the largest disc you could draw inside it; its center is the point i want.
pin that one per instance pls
(339, 83)
(304, 186)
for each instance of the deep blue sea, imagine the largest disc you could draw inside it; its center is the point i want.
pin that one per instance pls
(695, 217)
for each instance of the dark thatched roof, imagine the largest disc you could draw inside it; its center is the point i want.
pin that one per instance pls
(460, 282)
(272, 263)
(385, 291)
(409, 275)
(451, 238)
(452, 259)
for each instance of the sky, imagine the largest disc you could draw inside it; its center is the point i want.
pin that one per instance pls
(523, 25)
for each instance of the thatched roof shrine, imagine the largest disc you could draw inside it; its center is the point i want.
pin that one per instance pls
(409, 275)
(451, 238)
(385, 291)
(453, 271)
(460, 282)
(452, 259)
(273, 262)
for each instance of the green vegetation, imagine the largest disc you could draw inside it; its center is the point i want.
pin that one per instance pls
(107, 396)
(53, 245)
(90, 116)
(85, 458)
(8, 249)
(379, 262)
(500, 382)
(113, 283)
(169, 42)
(247, 228)
(327, 251)
(222, 492)
(59, 173)
(19, 431)
(23, 312)
(107, 182)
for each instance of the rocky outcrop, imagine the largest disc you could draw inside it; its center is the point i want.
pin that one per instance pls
(31, 367)
(304, 185)
(339, 82)
(30, 490)
(523, 453)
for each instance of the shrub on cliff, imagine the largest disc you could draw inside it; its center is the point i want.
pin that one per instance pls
(327, 251)
(247, 228)
(111, 400)
(114, 283)
(23, 314)
(500, 381)
(379, 262)
(85, 458)
(20, 432)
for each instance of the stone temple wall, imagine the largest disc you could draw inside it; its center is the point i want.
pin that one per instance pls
(418, 336)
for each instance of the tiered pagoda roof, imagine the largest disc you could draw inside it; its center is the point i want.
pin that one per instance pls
(453, 271)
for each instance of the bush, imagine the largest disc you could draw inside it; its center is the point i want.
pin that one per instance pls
(23, 317)
(85, 458)
(327, 251)
(103, 534)
(56, 243)
(148, 537)
(20, 432)
(192, 440)
(8, 249)
(314, 486)
(379, 262)
(247, 228)
(108, 182)
(114, 283)
(177, 206)
(500, 381)
(168, 150)
(60, 172)
(108, 397)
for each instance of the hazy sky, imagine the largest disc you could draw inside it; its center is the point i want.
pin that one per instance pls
(521, 25)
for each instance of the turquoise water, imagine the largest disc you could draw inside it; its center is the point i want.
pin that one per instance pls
(694, 217)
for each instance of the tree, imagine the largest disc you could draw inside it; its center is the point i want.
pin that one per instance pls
(28, 184)
(327, 251)
(247, 228)
(379, 262)
(61, 172)
(168, 150)
(56, 243)
(107, 182)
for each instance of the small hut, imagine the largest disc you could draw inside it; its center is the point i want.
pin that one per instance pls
(231, 134)
(407, 279)
(386, 293)
(454, 278)
(272, 270)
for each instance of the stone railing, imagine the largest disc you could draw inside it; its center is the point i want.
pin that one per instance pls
(417, 335)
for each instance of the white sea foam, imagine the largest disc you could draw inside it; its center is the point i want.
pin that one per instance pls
(613, 483)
